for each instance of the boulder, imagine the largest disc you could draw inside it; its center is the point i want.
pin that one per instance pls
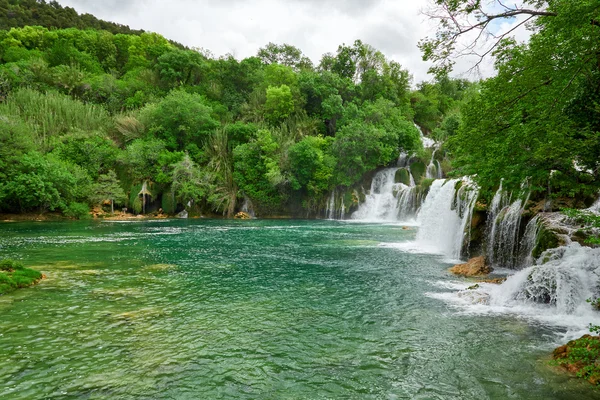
(242, 215)
(474, 267)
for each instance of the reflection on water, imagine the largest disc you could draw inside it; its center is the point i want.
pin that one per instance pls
(253, 310)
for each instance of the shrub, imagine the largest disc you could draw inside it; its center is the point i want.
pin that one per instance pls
(11, 265)
(77, 211)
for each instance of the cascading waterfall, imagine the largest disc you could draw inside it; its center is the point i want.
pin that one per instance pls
(427, 142)
(560, 285)
(434, 169)
(504, 222)
(529, 241)
(381, 203)
(331, 206)
(388, 201)
(247, 207)
(445, 216)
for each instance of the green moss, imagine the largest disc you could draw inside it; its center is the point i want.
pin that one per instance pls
(168, 203)
(10, 265)
(403, 176)
(417, 170)
(14, 275)
(426, 184)
(546, 240)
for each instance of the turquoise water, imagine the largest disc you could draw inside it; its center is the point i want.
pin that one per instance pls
(205, 309)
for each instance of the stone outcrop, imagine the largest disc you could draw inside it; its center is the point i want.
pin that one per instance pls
(474, 267)
(242, 215)
(581, 357)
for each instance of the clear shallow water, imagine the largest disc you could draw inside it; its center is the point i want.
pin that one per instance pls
(254, 310)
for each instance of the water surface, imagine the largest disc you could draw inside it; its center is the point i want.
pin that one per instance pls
(254, 310)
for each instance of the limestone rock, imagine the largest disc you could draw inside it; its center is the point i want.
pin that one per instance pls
(242, 215)
(474, 267)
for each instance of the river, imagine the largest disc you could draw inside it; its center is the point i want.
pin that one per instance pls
(216, 309)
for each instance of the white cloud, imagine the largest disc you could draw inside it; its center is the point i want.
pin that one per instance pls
(315, 26)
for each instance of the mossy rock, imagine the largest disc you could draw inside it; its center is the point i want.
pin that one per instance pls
(417, 170)
(546, 240)
(403, 176)
(14, 275)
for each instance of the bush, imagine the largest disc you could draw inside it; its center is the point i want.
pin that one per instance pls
(10, 265)
(77, 211)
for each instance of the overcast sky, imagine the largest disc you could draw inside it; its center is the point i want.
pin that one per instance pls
(241, 27)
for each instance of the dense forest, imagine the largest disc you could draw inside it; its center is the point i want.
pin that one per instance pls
(95, 113)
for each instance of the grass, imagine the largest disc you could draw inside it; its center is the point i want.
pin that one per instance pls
(14, 275)
(52, 114)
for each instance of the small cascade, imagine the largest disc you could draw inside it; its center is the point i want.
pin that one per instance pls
(445, 216)
(381, 203)
(434, 169)
(247, 207)
(403, 159)
(343, 211)
(409, 202)
(528, 242)
(504, 222)
(595, 208)
(331, 206)
(564, 283)
(427, 142)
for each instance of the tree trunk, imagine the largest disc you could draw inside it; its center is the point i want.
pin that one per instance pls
(112, 206)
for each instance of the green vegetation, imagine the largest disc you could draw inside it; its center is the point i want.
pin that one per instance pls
(589, 220)
(14, 275)
(92, 112)
(539, 117)
(581, 357)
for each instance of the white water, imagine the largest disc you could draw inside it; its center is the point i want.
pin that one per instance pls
(553, 293)
(445, 216)
(247, 207)
(331, 207)
(427, 142)
(434, 169)
(382, 203)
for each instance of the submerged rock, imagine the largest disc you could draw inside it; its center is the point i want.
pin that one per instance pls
(474, 267)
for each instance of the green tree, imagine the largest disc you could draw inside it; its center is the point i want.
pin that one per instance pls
(108, 187)
(279, 104)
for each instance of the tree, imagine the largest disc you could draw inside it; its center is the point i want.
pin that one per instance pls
(279, 104)
(180, 119)
(284, 54)
(474, 22)
(108, 187)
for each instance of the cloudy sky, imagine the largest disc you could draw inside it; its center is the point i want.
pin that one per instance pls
(241, 27)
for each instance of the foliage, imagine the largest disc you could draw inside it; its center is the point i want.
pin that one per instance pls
(76, 210)
(13, 275)
(108, 188)
(536, 117)
(582, 356)
(587, 219)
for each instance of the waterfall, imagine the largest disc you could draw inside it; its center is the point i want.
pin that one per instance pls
(564, 283)
(529, 241)
(388, 200)
(331, 206)
(595, 208)
(427, 142)
(434, 169)
(503, 228)
(381, 203)
(445, 216)
(247, 207)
